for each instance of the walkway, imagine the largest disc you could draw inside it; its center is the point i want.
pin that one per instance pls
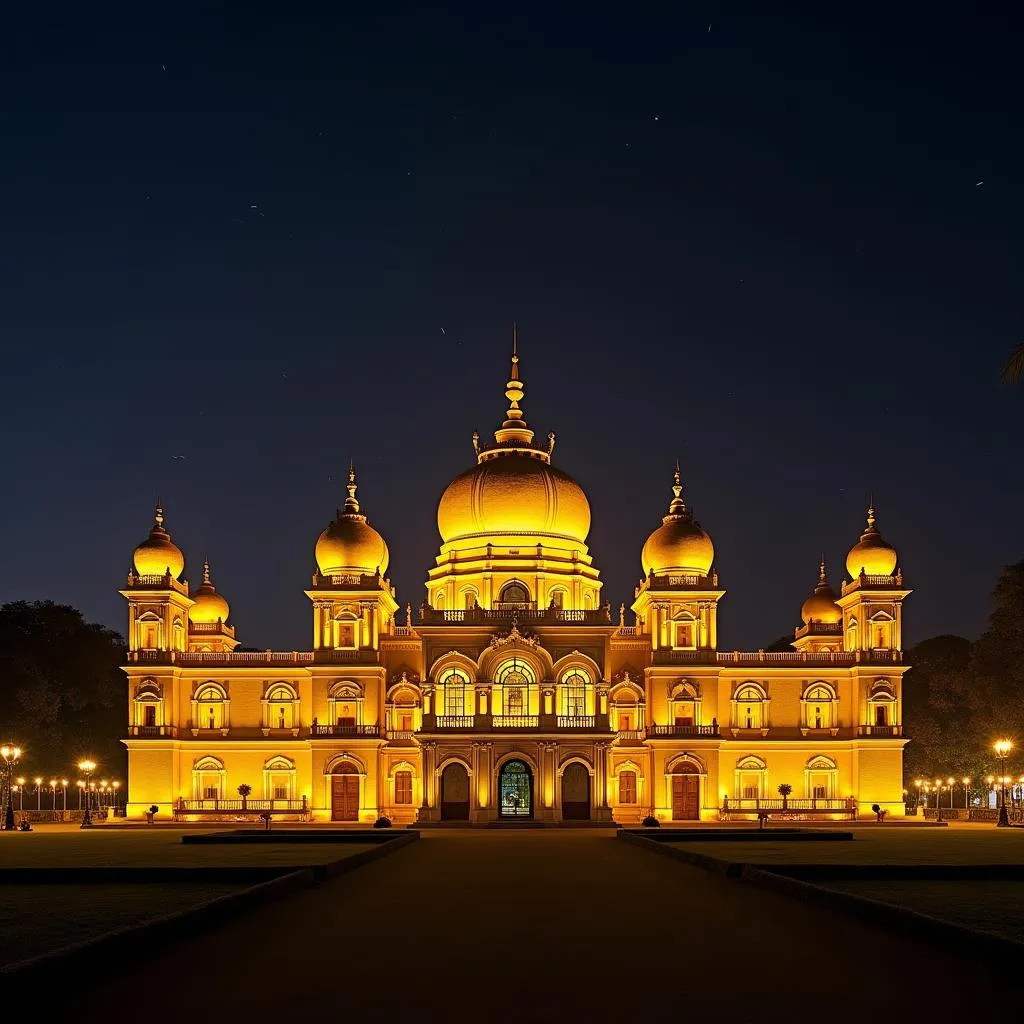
(549, 925)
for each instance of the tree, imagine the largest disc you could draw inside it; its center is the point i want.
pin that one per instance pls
(63, 692)
(243, 791)
(1013, 371)
(784, 790)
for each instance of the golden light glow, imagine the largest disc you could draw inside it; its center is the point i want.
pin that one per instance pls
(9, 753)
(87, 766)
(871, 554)
(1003, 747)
(158, 554)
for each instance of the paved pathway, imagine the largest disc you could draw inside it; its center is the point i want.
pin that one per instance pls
(542, 926)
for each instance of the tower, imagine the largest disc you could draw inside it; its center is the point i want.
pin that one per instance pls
(208, 629)
(823, 618)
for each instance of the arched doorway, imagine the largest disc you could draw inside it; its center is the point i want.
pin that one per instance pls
(345, 792)
(685, 792)
(515, 790)
(454, 792)
(575, 792)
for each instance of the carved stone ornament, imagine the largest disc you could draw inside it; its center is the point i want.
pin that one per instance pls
(513, 636)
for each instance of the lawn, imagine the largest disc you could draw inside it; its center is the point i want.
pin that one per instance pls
(59, 846)
(991, 906)
(36, 919)
(966, 844)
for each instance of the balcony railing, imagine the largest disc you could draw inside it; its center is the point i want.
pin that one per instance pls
(515, 721)
(218, 806)
(196, 658)
(631, 735)
(880, 731)
(344, 730)
(152, 732)
(862, 582)
(400, 734)
(455, 722)
(574, 722)
(790, 804)
(510, 723)
(709, 657)
(344, 656)
(684, 730)
(522, 614)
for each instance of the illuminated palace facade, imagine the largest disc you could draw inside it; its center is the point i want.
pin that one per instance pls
(516, 692)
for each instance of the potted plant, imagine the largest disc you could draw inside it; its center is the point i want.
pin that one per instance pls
(784, 790)
(651, 822)
(382, 822)
(150, 813)
(243, 791)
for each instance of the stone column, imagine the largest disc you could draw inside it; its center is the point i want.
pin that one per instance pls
(428, 810)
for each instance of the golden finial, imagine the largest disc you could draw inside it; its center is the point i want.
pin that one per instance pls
(351, 505)
(871, 512)
(206, 571)
(515, 352)
(158, 516)
(677, 506)
(821, 569)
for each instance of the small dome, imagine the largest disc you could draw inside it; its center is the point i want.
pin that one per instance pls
(871, 554)
(158, 554)
(821, 605)
(679, 545)
(210, 606)
(350, 545)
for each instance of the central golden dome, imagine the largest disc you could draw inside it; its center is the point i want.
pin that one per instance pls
(514, 493)
(871, 554)
(158, 554)
(514, 489)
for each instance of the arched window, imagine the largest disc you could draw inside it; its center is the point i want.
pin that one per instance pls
(178, 633)
(558, 598)
(821, 778)
(881, 631)
(750, 707)
(684, 632)
(882, 707)
(346, 631)
(149, 706)
(148, 631)
(210, 707)
(515, 595)
(208, 780)
(626, 705)
(469, 598)
(751, 773)
(439, 600)
(627, 787)
(279, 779)
(454, 684)
(852, 636)
(515, 679)
(575, 694)
(685, 703)
(819, 707)
(281, 707)
(344, 705)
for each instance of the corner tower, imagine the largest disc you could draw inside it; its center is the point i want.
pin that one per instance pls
(513, 528)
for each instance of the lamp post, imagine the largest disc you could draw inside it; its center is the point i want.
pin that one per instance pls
(21, 792)
(938, 800)
(87, 768)
(38, 780)
(64, 795)
(11, 755)
(115, 785)
(81, 789)
(53, 794)
(967, 784)
(1002, 749)
(951, 782)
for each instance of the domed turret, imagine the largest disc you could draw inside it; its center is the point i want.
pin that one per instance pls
(679, 545)
(158, 554)
(871, 554)
(513, 488)
(821, 605)
(209, 605)
(350, 545)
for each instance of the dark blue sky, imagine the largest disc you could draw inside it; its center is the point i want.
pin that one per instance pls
(270, 242)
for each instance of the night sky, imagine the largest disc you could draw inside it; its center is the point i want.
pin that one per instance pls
(240, 250)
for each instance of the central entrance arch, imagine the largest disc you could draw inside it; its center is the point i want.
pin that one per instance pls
(515, 790)
(685, 793)
(345, 792)
(455, 792)
(575, 792)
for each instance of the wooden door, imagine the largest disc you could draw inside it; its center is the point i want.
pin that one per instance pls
(344, 798)
(454, 792)
(575, 792)
(685, 797)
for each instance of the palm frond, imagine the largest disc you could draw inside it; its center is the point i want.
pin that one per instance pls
(1014, 370)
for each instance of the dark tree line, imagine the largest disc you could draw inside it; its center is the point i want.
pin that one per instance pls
(63, 695)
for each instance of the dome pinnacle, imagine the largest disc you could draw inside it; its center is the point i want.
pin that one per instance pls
(351, 504)
(206, 570)
(515, 428)
(677, 507)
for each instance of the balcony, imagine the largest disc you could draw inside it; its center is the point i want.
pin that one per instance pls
(453, 721)
(782, 659)
(373, 731)
(344, 656)
(789, 804)
(153, 732)
(687, 731)
(523, 614)
(880, 732)
(516, 723)
(865, 582)
(239, 658)
(624, 736)
(247, 806)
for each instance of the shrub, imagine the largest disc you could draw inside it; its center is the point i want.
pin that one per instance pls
(651, 822)
(382, 822)
(153, 809)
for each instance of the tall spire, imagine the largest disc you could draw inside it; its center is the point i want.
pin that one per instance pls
(206, 571)
(515, 352)
(871, 512)
(515, 428)
(677, 507)
(158, 515)
(821, 570)
(351, 504)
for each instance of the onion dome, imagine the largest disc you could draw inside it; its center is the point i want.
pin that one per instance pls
(158, 554)
(350, 545)
(210, 606)
(871, 554)
(821, 605)
(513, 488)
(679, 545)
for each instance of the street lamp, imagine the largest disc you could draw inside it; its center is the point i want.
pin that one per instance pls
(1002, 749)
(87, 768)
(967, 783)
(64, 798)
(21, 792)
(951, 782)
(11, 755)
(81, 789)
(53, 794)
(115, 785)
(938, 799)
(38, 780)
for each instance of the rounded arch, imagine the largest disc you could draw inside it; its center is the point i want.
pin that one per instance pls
(516, 755)
(208, 763)
(626, 693)
(686, 764)
(821, 763)
(345, 689)
(453, 759)
(882, 689)
(453, 659)
(537, 658)
(516, 670)
(515, 592)
(403, 692)
(751, 763)
(401, 766)
(575, 759)
(576, 659)
(281, 691)
(279, 763)
(345, 764)
(820, 691)
(683, 615)
(749, 691)
(469, 598)
(210, 691)
(684, 689)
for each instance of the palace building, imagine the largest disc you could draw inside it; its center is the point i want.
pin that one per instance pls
(516, 691)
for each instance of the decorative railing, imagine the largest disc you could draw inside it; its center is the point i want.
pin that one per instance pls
(683, 730)
(455, 722)
(344, 730)
(683, 580)
(154, 582)
(880, 731)
(575, 722)
(789, 804)
(403, 631)
(821, 629)
(515, 721)
(709, 657)
(631, 735)
(210, 627)
(894, 582)
(183, 806)
(400, 734)
(187, 658)
(545, 617)
(628, 631)
(346, 657)
(152, 731)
